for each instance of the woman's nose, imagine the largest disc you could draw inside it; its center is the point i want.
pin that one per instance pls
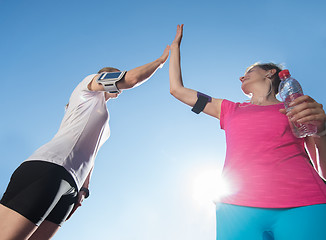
(241, 78)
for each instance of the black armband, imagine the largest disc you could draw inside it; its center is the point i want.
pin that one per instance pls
(202, 100)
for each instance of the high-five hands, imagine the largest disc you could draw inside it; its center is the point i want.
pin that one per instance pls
(178, 36)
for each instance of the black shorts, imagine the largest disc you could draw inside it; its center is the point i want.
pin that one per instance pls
(40, 191)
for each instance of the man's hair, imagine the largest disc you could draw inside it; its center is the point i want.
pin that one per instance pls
(109, 69)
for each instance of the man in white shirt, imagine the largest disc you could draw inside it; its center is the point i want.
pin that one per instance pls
(51, 184)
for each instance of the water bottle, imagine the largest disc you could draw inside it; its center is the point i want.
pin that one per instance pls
(289, 90)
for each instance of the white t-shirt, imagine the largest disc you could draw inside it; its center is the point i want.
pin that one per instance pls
(82, 132)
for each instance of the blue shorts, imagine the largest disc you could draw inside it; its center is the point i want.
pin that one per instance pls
(235, 222)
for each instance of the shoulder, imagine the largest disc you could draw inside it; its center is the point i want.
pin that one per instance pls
(227, 107)
(84, 86)
(87, 82)
(226, 104)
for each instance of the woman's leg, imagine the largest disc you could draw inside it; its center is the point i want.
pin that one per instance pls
(13, 225)
(302, 223)
(239, 223)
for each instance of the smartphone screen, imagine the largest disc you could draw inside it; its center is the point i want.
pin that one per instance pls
(112, 75)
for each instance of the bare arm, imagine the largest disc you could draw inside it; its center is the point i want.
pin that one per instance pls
(317, 151)
(139, 75)
(305, 110)
(87, 180)
(136, 76)
(186, 95)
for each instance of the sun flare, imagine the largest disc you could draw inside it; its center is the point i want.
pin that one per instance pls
(209, 186)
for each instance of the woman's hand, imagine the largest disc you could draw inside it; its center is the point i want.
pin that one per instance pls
(307, 110)
(178, 36)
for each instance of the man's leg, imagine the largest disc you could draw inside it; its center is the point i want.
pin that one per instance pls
(45, 231)
(13, 225)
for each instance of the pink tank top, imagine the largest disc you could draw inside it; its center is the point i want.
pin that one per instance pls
(265, 165)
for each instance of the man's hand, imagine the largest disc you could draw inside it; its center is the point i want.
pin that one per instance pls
(164, 56)
(80, 198)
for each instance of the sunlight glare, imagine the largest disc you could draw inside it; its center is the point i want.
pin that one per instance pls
(209, 187)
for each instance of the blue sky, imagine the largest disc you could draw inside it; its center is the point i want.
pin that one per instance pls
(154, 177)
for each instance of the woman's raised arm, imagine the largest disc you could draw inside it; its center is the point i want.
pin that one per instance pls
(186, 95)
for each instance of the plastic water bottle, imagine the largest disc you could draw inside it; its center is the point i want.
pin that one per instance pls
(289, 90)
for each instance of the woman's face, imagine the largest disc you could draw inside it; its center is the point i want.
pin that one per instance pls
(252, 78)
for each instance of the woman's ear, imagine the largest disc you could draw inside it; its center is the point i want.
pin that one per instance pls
(272, 72)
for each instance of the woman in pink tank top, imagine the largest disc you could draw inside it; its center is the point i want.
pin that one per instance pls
(278, 180)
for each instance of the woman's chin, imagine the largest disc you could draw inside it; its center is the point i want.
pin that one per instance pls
(246, 91)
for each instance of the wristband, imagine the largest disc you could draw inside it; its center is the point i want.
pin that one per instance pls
(85, 190)
(202, 100)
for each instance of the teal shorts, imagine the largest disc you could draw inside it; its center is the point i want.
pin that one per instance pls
(235, 222)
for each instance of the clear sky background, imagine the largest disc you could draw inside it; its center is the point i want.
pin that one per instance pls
(156, 177)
